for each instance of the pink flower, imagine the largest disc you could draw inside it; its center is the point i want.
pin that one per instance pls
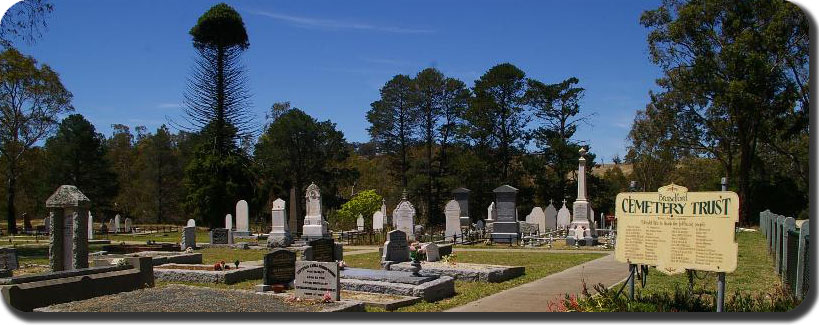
(412, 248)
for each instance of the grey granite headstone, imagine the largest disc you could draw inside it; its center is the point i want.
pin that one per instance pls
(505, 228)
(551, 216)
(564, 217)
(480, 225)
(279, 267)
(188, 238)
(128, 224)
(314, 279)
(462, 196)
(322, 250)
(445, 249)
(221, 236)
(396, 248)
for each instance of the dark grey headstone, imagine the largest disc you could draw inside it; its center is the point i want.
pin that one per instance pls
(445, 250)
(396, 248)
(220, 236)
(8, 259)
(314, 279)
(323, 250)
(279, 267)
(462, 196)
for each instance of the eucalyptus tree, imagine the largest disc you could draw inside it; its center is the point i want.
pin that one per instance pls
(393, 119)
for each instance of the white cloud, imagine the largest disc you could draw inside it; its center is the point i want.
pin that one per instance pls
(308, 22)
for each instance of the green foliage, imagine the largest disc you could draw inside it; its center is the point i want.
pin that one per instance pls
(364, 203)
(220, 26)
(393, 119)
(76, 156)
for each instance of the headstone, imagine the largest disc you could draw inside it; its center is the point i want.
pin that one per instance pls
(396, 248)
(191, 223)
(505, 227)
(404, 216)
(452, 213)
(90, 226)
(314, 279)
(378, 220)
(8, 259)
(295, 216)
(445, 250)
(47, 224)
(384, 213)
(221, 236)
(314, 225)
(279, 267)
(788, 225)
(127, 224)
(27, 223)
(110, 225)
(323, 250)
(359, 222)
(229, 221)
(480, 225)
(802, 261)
(551, 216)
(188, 238)
(433, 255)
(564, 217)
(242, 219)
(462, 196)
(117, 224)
(537, 217)
(280, 233)
(68, 213)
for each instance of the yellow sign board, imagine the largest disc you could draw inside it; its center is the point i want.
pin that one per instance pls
(675, 230)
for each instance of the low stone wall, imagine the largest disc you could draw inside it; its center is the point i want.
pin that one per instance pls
(466, 271)
(430, 291)
(72, 287)
(62, 274)
(245, 272)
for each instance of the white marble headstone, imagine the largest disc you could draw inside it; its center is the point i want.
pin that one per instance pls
(452, 213)
(229, 222)
(378, 220)
(404, 216)
(191, 223)
(564, 217)
(359, 222)
(242, 222)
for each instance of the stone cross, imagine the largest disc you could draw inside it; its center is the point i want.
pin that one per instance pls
(68, 213)
(452, 213)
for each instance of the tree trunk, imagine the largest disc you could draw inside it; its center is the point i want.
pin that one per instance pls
(10, 209)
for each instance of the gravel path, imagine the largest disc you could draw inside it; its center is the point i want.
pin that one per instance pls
(181, 298)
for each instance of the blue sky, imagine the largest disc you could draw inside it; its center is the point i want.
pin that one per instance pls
(127, 61)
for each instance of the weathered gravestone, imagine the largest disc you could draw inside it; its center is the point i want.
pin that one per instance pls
(27, 223)
(188, 238)
(191, 223)
(537, 217)
(69, 223)
(90, 226)
(280, 232)
(314, 279)
(229, 221)
(242, 219)
(505, 227)
(378, 220)
(396, 248)
(359, 222)
(433, 254)
(551, 216)
(480, 225)
(221, 236)
(452, 213)
(111, 225)
(117, 224)
(582, 214)
(321, 250)
(8, 259)
(314, 225)
(127, 224)
(564, 217)
(445, 250)
(279, 267)
(462, 196)
(404, 215)
(47, 224)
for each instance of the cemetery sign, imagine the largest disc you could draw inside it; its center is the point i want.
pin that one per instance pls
(675, 230)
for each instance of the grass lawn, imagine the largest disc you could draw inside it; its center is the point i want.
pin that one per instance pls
(212, 255)
(537, 266)
(754, 274)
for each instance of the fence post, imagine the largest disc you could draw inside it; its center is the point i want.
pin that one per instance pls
(778, 246)
(802, 262)
(788, 225)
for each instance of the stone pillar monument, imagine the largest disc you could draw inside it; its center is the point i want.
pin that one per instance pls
(505, 228)
(581, 229)
(280, 234)
(462, 196)
(314, 225)
(68, 216)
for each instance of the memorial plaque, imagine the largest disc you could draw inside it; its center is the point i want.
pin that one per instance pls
(323, 250)
(314, 279)
(675, 230)
(279, 267)
(220, 236)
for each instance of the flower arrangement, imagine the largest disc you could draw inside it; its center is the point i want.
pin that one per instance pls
(341, 265)
(327, 297)
(417, 253)
(189, 250)
(448, 259)
(121, 262)
(217, 266)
